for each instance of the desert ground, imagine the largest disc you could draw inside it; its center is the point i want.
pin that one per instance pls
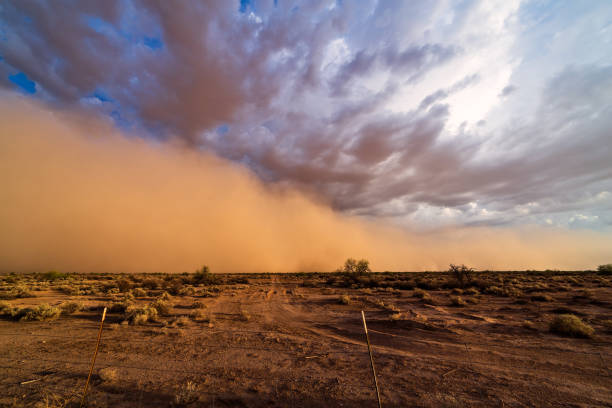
(297, 340)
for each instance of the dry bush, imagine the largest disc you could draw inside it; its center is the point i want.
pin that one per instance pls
(571, 325)
(528, 324)
(186, 394)
(200, 315)
(71, 307)
(396, 316)
(457, 291)
(419, 293)
(457, 301)
(108, 374)
(180, 321)
(163, 307)
(18, 292)
(345, 300)
(41, 312)
(119, 307)
(140, 315)
(70, 290)
(472, 300)
(245, 316)
(139, 292)
(541, 298)
(471, 291)
(5, 309)
(605, 269)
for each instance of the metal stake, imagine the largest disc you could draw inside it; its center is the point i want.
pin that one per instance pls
(365, 328)
(93, 360)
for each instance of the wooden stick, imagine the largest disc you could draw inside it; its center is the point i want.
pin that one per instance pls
(365, 328)
(93, 360)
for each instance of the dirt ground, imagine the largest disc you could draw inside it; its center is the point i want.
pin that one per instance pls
(298, 341)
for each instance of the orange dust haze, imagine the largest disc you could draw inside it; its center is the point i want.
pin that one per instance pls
(77, 195)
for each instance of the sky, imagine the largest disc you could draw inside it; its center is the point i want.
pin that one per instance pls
(426, 117)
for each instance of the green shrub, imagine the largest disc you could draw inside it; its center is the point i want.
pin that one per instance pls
(570, 325)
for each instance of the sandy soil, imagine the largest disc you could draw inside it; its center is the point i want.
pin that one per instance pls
(288, 341)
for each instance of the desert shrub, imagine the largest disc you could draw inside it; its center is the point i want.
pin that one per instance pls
(350, 266)
(462, 273)
(186, 394)
(541, 298)
(363, 266)
(472, 300)
(139, 292)
(5, 309)
(419, 293)
(457, 301)
(180, 321)
(204, 276)
(494, 290)
(396, 316)
(570, 325)
(345, 300)
(245, 316)
(471, 291)
(124, 285)
(120, 307)
(140, 315)
(151, 284)
(69, 290)
(53, 276)
(457, 291)
(19, 291)
(528, 324)
(200, 315)
(186, 291)
(108, 374)
(605, 269)
(71, 307)
(40, 313)
(162, 306)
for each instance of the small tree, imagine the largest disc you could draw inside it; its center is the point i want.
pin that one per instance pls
(462, 273)
(203, 275)
(350, 266)
(605, 269)
(363, 266)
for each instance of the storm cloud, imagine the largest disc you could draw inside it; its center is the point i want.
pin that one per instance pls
(419, 113)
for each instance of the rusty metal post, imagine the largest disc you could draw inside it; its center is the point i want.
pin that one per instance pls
(365, 328)
(93, 360)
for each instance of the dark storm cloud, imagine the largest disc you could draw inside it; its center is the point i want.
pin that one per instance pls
(188, 68)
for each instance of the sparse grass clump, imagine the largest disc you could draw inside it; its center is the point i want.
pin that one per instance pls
(571, 325)
(419, 293)
(162, 306)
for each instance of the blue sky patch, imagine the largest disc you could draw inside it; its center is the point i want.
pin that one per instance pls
(223, 129)
(23, 82)
(153, 43)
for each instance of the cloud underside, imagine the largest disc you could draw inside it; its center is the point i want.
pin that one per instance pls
(340, 100)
